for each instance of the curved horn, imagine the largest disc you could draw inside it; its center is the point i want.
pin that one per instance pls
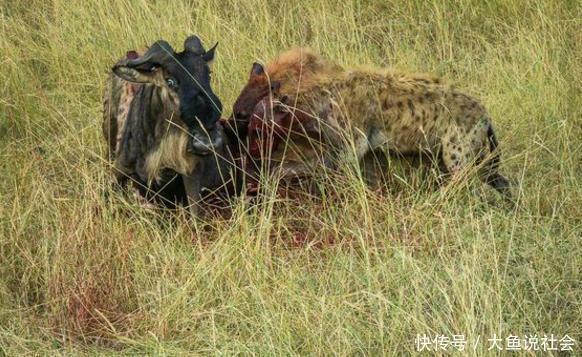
(157, 53)
(194, 45)
(213, 47)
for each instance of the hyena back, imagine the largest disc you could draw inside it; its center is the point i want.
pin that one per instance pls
(403, 114)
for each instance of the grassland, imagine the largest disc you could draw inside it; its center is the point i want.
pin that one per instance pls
(84, 270)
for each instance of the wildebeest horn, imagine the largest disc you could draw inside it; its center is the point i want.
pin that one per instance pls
(157, 53)
(194, 45)
(212, 48)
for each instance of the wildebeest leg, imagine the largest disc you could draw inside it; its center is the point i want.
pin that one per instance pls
(192, 187)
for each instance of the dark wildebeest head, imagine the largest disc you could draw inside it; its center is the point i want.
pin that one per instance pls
(185, 78)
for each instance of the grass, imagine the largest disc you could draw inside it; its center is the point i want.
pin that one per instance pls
(82, 271)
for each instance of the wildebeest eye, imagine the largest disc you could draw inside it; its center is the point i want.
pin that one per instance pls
(172, 83)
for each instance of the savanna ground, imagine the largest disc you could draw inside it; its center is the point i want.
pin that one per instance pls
(86, 270)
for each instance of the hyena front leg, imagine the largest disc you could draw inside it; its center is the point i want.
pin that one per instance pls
(375, 168)
(375, 159)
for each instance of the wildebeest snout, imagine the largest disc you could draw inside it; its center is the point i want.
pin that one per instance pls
(205, 142)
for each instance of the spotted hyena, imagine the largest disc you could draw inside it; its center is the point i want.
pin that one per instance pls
(384, 110)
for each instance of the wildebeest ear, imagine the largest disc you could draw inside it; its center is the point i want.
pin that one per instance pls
(131, 55)
(257, 69)
(145, 73)
(208, 57)
(144, 69)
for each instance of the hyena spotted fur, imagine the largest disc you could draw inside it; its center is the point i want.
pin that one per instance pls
(395, 112)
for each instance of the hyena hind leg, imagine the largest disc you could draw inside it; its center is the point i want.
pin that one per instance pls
(454, 157)
(499, 183)
(491, 176)
(480, 147)
(457, 157)
(490, 172)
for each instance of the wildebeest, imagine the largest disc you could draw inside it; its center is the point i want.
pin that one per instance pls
(375, 110)
(161, 122)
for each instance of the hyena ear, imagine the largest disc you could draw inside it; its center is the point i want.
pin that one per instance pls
(257, 70)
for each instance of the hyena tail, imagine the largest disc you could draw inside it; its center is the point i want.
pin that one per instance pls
(491, 173)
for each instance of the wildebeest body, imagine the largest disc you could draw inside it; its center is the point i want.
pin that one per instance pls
(160, 121)
(133, 139)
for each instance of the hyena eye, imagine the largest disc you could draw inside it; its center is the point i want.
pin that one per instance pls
(172, 83)
(275, 86)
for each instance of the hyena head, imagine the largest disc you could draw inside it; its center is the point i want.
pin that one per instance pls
(288, 71)
(184, 80)
(279, 118)
(266, 127)
(258, 87)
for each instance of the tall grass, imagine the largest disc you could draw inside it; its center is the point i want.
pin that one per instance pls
(85, 270)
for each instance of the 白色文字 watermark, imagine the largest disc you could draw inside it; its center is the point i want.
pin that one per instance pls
(531, 342)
